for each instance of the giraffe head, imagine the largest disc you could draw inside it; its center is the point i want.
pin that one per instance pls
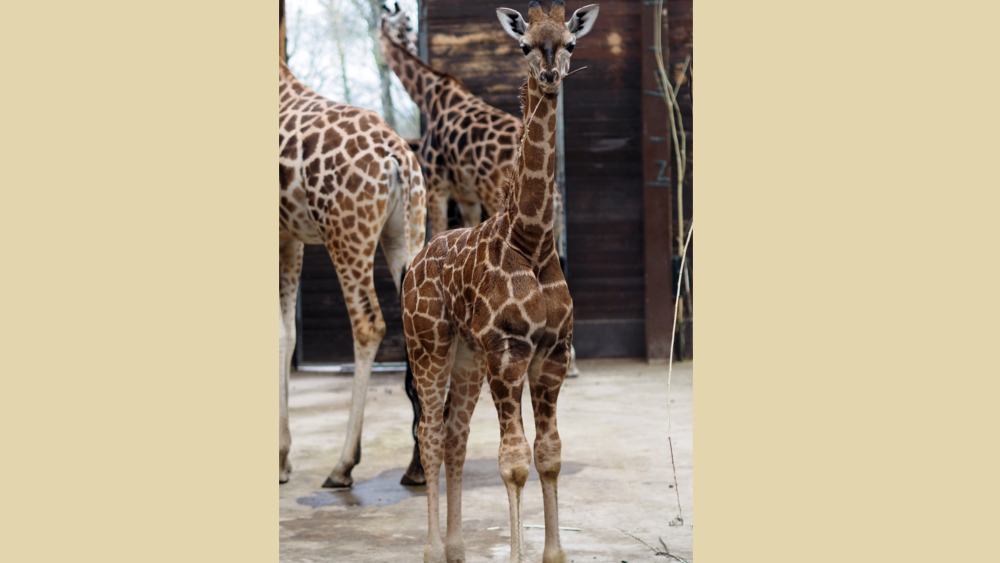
(546, 39)
(396, 24)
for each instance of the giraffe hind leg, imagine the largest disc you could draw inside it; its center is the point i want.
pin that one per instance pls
(289, 267)
(368, 327)
(431, 365)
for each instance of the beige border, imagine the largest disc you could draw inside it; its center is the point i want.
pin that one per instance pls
(847, 284)
(139, 346)
(847, 240)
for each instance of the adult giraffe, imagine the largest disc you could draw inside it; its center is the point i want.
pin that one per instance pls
(348, 182)
(492, 300)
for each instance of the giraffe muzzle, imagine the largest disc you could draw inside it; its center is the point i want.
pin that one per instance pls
(549, 76)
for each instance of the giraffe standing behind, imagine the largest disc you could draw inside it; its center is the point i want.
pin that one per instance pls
(468, 144)
(348, 182)
(492, 301)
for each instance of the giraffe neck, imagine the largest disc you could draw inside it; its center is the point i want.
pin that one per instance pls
(426, 86)
(531, 202)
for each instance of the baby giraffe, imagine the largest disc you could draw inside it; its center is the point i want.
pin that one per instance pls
(492, 301)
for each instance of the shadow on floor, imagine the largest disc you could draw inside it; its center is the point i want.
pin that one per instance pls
(385, 490)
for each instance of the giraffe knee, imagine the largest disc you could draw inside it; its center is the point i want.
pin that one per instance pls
(516, 475)
(370, 333)
(548, 469)
(548, 460)
(514, 466)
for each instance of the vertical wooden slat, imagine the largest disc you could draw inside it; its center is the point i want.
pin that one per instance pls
(657, 209)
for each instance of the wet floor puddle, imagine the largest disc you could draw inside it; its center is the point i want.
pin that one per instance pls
(385, 490)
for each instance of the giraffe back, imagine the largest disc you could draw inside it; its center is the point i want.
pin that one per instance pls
(337, 160)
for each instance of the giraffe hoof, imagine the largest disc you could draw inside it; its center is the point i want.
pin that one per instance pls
(338, 482)
(283, 477)
(413, 480)
(414, 475)
(555, 556)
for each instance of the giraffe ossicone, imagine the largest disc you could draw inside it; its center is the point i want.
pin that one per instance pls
(491, 302)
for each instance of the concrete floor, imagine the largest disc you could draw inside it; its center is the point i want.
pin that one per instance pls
(616, 472)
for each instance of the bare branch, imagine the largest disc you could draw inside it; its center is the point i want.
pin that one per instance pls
(664, 553)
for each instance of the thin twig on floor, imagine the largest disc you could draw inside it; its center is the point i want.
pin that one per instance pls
(664, 553)
(563, 528)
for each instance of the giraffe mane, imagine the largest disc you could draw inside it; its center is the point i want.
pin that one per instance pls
(510, 174)
(522, 96)
(507, 189)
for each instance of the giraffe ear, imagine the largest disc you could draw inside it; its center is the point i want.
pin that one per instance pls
(512, 22)
(583, 20)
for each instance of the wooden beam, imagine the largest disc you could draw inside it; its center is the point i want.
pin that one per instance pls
(657, 195)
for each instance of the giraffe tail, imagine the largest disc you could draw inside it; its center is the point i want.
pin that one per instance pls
(409, 177)
(412, 179)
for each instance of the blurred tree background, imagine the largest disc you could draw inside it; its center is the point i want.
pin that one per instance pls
(333, 48)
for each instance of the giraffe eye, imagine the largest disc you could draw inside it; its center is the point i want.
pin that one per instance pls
(569, 47)
(526, 49)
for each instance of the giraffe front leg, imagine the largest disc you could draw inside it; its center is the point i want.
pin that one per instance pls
(466, 381)
(545, 379)
(506, 375)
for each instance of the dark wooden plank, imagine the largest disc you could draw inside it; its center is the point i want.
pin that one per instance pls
(603, 339)
(325, 324)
